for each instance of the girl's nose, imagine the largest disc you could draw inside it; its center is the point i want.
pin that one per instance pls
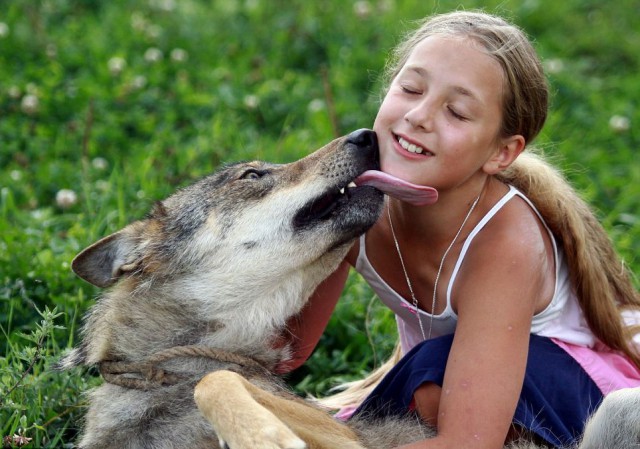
(420, 115)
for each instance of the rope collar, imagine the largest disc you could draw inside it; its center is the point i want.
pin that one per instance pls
(147, 375)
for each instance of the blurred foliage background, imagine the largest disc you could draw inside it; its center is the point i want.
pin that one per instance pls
(107, 106)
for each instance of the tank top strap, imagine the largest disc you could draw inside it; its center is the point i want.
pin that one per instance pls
(489, 215)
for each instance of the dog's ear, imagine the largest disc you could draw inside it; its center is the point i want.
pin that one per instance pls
(102, 263)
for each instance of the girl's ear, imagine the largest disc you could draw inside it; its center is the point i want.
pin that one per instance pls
(507, 151)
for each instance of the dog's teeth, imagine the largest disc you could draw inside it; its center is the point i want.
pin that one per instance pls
(349, 186)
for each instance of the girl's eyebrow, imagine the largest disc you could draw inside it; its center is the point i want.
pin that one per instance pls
(420, 71)
(465, 92)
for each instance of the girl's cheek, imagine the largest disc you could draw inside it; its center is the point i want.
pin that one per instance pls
(388, 109)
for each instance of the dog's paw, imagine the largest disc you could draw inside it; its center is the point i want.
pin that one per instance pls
(282, 438)
(268, 437)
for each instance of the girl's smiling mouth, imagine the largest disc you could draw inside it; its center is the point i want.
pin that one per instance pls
(412, 147)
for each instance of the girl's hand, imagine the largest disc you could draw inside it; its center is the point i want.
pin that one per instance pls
(304, 330)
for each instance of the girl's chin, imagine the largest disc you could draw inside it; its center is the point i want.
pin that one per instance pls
(398, 171)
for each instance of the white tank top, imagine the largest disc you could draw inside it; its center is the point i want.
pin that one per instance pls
(562, 318)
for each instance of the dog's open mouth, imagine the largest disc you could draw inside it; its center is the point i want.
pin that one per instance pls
(324, 206)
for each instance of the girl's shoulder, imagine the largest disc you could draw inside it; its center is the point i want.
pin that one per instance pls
(513, 252)
(514, 227)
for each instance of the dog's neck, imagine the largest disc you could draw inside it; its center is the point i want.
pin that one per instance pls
(187, 322)
(151, 373)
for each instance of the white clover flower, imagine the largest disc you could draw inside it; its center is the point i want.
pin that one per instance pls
(251, 5)
(116, 65)
(153, 31)
(140, 194)
(139, 82)
(99, 163)
(553, 65)
(15, 175)
(138, 21)
(251, 101)
(29, 104)
(362, 9)
(164, 5)
(17, 439)
(153, 55)
(316, 105)
(385, 5)
(179, 55)
(4, 30)
(103, 185)
(619, 123)
(38, 214)
(66, 198)
(14, 92)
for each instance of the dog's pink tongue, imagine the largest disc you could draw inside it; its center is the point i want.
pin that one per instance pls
(398, 188)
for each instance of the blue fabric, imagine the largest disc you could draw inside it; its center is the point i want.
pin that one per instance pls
(557, 394)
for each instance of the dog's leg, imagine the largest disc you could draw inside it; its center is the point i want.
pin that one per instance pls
(616, 423)
(238, 420)
(257, 419)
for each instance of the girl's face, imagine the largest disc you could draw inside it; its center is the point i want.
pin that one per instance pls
(439, 122)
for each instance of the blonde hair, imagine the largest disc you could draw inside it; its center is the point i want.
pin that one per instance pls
(601, 281)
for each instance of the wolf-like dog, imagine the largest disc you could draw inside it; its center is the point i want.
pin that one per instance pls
(199, 293)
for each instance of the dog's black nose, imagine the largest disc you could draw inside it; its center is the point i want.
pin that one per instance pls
(363, 138)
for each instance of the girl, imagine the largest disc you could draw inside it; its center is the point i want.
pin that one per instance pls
(508, 295)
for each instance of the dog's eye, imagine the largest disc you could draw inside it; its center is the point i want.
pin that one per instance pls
(252, 173)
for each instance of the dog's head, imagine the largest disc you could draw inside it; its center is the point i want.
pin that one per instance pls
(246, 222)
(226, 261)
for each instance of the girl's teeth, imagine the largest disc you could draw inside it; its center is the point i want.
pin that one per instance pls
(411, 148)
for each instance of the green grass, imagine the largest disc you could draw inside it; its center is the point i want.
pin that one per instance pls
(206, 82)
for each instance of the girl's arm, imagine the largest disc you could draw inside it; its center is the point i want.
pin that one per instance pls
(304, 330)
(498, 291)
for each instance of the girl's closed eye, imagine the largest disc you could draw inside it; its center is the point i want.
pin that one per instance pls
(456, 114)
(407, 89)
